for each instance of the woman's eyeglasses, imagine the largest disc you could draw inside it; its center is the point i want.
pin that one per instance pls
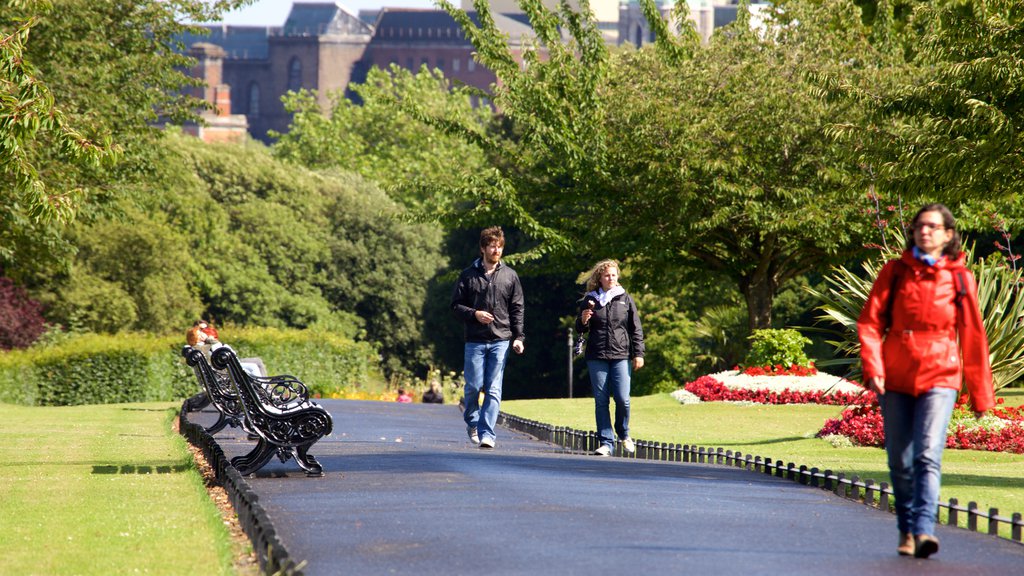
(928, 226)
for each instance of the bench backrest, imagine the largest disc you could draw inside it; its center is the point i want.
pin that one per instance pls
(289, 425)
(217, 384)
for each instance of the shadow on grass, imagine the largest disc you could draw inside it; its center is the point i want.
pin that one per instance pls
(140, 469)
(972, 480)
(759, 442)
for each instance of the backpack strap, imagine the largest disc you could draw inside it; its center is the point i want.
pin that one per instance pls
(961, 289)
(897, 273)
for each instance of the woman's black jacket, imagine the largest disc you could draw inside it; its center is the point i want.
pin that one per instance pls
(614, 330)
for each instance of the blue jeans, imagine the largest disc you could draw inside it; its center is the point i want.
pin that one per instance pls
(610, 378)
(915, 436)
(483, 369)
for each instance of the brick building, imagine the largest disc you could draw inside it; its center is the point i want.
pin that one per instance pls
(324, 47)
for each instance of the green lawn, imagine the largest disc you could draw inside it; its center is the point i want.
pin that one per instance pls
(786, 433)
(104, 490)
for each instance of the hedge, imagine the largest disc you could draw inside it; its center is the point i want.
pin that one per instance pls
(104, 369)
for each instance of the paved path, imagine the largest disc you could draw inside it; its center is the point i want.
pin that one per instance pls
(406, 493)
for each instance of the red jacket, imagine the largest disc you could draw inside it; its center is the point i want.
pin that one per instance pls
(920, 350)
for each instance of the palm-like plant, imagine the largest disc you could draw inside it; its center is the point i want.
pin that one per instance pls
(999, 297)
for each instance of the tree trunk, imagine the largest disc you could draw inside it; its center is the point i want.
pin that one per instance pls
(759, 290)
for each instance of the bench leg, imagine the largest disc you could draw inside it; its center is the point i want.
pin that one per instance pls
(306, 460)
(255, 459)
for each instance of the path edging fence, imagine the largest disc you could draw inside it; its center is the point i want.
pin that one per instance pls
(271, 554)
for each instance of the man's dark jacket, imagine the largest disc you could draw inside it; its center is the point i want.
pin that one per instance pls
(501, 295)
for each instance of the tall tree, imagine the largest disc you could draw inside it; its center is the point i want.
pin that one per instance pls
(682, 158)
(369, 135)
(952, 130)
(81, 86)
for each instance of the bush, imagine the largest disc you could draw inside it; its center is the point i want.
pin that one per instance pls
(21, 319)
(95, 369)
(773, 347)
(329, 364)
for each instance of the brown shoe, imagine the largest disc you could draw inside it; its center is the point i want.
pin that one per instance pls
(906, 545)
(926, 545)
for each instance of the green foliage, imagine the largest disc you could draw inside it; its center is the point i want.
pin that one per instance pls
(230, 233)
(737, 178)
(670, 349)
(949, 131)
(721, 338)
(68, 145)
(130, 274)
(777, 347)
(95, 369)
(328, 363)
(376, 133)
(999, 298)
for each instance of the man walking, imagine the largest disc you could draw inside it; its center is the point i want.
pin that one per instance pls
(488, 298)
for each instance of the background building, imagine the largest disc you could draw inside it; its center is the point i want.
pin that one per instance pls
(324, 47)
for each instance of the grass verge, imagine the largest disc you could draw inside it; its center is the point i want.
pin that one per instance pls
(104, 489)
(786, 433)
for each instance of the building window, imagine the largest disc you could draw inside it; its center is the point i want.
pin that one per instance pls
(455, 64)
(253, 109)
(430, 32)
(440, 64)
(470, 65)
(295, 75)
(410, 64)
(639, 37)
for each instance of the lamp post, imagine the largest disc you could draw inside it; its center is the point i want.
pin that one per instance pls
(569, 349)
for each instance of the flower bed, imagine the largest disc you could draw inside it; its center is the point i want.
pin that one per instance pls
(708, 389)
(1002, 430)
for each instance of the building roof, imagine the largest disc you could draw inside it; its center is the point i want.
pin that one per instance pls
(419, 25)
(239, 42)
(323, 19)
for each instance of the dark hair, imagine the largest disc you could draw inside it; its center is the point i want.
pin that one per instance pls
(952, 249)
(492, 234)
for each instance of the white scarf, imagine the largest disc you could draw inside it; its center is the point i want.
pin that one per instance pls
(603, 298)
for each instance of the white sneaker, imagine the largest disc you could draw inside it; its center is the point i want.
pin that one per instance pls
(487, 442)
(472, 435)
(628, 445)
(603, 451)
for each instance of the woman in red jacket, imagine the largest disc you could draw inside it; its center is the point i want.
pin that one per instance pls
(918, 309)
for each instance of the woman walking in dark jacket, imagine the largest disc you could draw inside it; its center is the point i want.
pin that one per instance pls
(615, 347)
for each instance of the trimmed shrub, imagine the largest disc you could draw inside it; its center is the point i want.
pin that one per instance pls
(95, 369)
(777, 347)
(329, 364)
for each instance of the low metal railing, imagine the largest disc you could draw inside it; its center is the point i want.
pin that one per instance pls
(271, 554)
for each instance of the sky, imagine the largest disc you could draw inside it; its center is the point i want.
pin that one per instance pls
(274, 12)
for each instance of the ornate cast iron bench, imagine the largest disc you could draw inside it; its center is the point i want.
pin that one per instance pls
(278, 411)
(283, 392)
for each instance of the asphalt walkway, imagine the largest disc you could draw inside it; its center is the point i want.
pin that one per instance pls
(404, 492)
